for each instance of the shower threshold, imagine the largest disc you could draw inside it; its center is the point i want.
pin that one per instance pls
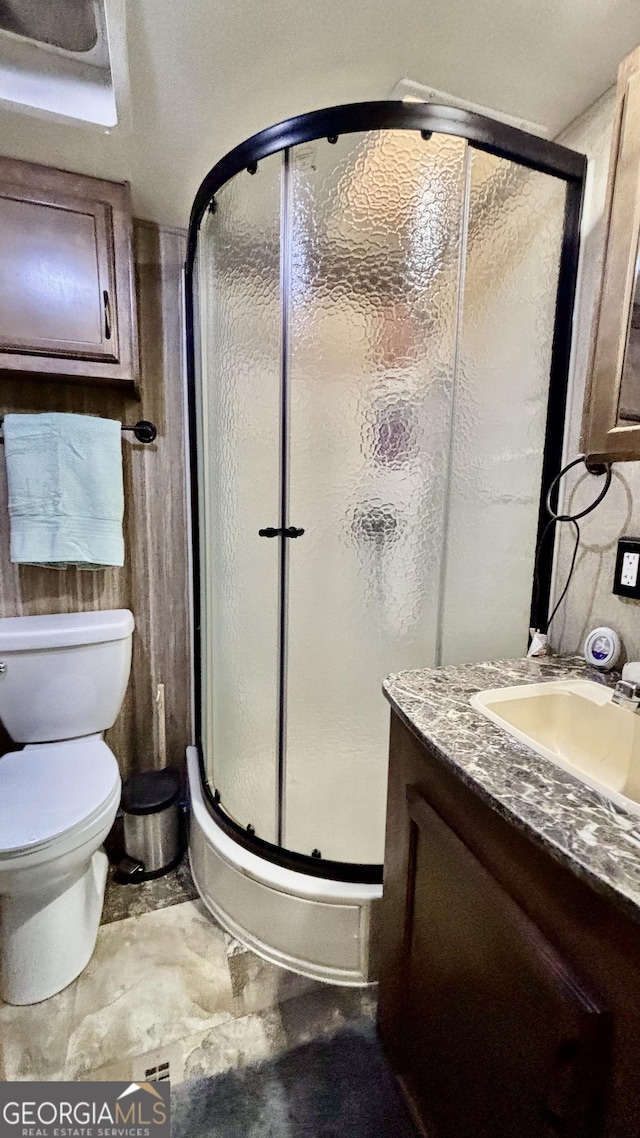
(311, 925)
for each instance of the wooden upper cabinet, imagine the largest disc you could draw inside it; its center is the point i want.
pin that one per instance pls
(67, 288)
(611, 415)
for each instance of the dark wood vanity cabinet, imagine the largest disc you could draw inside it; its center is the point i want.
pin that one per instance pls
(508, 1034)
(509, 997)
(67, 293)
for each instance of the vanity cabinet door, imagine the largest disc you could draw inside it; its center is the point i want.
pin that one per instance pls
(67, 302)
(502, 1039)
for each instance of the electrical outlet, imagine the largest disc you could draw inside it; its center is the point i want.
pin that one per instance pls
(626, 581)
(629, 574)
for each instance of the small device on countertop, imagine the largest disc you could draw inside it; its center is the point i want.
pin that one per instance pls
(602, 648)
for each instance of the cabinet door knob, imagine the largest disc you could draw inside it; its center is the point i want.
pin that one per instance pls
(107, 315)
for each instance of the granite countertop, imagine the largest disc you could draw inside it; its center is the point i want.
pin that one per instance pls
(595, 838)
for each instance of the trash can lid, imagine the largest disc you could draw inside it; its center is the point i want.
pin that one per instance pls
(150, 792)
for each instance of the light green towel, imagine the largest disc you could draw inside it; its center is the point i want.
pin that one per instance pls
(66, 498)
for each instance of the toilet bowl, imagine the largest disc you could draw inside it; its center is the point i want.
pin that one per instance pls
(59, 675)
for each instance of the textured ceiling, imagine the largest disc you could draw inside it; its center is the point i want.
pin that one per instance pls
(206, 73)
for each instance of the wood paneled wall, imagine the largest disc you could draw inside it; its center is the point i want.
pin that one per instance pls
(154, 580)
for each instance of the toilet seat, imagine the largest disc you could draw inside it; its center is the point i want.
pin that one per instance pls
(50, 790)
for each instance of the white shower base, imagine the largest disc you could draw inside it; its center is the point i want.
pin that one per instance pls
(310, 925)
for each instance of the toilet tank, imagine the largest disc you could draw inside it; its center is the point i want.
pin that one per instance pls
(64, 675)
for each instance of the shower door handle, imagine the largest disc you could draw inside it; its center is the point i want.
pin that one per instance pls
(271, 531)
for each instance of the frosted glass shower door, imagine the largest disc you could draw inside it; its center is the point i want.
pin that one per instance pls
(374, 266)
(239, 421)
(376, 315)
(514, 241)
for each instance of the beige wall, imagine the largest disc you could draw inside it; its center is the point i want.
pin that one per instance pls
(153, 582)
(590, 601)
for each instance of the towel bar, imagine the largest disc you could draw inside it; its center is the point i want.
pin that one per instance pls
(144, 431)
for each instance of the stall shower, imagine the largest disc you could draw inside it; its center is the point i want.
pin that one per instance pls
(379, 320)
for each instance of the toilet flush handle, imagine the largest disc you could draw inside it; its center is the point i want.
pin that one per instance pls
(3, 668)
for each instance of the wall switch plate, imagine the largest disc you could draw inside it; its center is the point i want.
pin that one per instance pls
(626, 581)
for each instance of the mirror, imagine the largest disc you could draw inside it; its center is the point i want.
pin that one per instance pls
(611, 426)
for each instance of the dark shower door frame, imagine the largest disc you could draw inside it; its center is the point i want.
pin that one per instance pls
(481, 133)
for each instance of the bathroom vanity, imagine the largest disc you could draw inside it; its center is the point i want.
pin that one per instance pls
(509, 938)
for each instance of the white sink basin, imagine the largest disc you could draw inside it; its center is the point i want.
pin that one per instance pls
(575, 724)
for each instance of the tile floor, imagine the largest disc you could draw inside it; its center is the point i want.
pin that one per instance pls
(167, 985)
(133, 900)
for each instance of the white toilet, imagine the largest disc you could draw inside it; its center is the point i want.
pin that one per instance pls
(62, 682)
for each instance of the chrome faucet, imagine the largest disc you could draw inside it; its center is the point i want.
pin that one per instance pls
(627, 694)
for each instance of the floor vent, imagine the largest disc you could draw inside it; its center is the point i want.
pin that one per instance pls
(158, 1074)
(160, 1065)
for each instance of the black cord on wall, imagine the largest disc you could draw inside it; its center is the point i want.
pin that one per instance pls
(572, 519)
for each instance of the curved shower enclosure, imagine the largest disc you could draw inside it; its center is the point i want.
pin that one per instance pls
(379, 303)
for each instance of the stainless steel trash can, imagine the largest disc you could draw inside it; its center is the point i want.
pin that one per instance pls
(153, 830)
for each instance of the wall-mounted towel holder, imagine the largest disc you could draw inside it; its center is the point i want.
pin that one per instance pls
(144, 431)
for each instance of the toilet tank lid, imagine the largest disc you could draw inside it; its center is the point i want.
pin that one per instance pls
(64, 630)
